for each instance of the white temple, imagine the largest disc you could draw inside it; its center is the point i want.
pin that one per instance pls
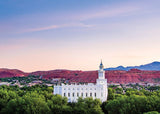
(73, 91)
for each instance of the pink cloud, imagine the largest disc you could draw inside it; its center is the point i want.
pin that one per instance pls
(104, 13)
(43, 28)
(59, 26)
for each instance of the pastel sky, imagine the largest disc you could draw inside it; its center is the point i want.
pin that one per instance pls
(77, 34)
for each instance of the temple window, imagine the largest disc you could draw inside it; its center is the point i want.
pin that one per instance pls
(82, 94)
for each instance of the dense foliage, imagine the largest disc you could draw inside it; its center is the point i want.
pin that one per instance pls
(39, 99)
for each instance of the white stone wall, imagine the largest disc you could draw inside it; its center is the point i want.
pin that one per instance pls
(72, 92)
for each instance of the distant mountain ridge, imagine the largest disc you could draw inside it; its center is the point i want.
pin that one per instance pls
(154, 66)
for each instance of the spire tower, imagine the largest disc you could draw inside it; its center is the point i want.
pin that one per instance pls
(101, 65)
(101, 75)
(101, 72)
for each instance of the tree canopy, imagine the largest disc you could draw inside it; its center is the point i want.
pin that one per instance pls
(39, 99)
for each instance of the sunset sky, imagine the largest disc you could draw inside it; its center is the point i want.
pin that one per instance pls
(77, 34)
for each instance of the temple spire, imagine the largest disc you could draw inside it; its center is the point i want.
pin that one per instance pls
(101, 65)
(101, 61)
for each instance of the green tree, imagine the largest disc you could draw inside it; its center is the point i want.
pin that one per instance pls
(15, 106)
(119, 90)
(88, 106)
(127, 105)
(152, 112)
(58, 104)
(111, 94)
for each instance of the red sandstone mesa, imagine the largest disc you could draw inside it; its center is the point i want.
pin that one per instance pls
(131, 76)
